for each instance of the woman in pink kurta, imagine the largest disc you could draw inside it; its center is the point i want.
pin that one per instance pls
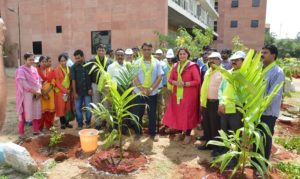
(28, 92)
(183, 108)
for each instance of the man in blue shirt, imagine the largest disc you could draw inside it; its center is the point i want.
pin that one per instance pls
(274, 77)
(146, 84)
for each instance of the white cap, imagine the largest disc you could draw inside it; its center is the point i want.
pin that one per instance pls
(129, 51)
(215, 55)
(237, 55)
(158, 51)
(170, 53)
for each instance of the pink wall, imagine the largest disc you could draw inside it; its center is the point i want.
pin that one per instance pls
(131, 23)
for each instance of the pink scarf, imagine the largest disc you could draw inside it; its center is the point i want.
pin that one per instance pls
(27, 75)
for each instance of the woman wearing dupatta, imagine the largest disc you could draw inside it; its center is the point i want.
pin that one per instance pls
(48, 104)
(28, 93)
(62, 90)
(183, 112)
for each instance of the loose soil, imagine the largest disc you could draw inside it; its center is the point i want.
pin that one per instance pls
(109, 161)
(292, 127)
(39, 150)
(280, 154)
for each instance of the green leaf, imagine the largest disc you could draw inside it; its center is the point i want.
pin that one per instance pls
(110, 139)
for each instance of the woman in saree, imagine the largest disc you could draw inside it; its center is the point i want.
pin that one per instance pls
(62, 91)
(47, 98)
(28, 93)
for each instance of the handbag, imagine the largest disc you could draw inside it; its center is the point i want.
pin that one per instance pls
(70, 116)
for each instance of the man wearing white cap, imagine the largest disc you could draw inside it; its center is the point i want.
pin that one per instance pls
(209, 100)
(231, 118)
(129, 55)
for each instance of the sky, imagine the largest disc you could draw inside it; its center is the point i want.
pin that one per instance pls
(284, 17)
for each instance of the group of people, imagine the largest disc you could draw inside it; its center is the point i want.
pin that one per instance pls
(182, 92)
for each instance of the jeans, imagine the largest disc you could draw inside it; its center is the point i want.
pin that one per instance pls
(78, 109)
(139, 110)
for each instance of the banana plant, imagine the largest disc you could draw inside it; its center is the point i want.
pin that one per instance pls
(249, 86)
(120, 94)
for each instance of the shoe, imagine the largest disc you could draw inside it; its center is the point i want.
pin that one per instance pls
(203, 147)
(63, 127)
(200, 138)
(36, 133)
(69, 126)
(187, 140)
(88, 126)
(79, 128)
(98, 127)
(215, 153)
(155, 138)
(167, 130)
(178, 137)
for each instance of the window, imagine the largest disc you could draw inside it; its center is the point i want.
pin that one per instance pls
(234, 3)
(215, 26)
(199, 10)
(254, 23)
(37, 48)
(216, 6)
(100, 37)
(234, 24)
(255, 3)
(58, 29)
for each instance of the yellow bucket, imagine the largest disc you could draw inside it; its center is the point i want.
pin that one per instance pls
(88, 140)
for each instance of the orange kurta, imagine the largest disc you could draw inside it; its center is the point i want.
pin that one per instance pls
(61, 106)
(48, 84)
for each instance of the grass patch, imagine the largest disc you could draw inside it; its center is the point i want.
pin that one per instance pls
(291, 169)
(42, 174)
(3, 177)
(289, 143)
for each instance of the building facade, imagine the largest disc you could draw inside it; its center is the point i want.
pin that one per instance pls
(245, 18)
(53, 26)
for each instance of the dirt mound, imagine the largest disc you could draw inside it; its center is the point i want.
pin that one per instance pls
(108, 161)
(39, 150)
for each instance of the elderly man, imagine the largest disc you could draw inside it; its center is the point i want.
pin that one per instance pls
(231, 118)
(129, 55)
(209, 100)
(116, 67)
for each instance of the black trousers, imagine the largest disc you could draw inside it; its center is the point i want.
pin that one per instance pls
(211, 120)
(139, 110)
(231, 122)
(270, 122)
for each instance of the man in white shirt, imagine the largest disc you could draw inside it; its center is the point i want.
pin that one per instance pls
(116, 67)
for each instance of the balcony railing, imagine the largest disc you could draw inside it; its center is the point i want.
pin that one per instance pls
(194, 8)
